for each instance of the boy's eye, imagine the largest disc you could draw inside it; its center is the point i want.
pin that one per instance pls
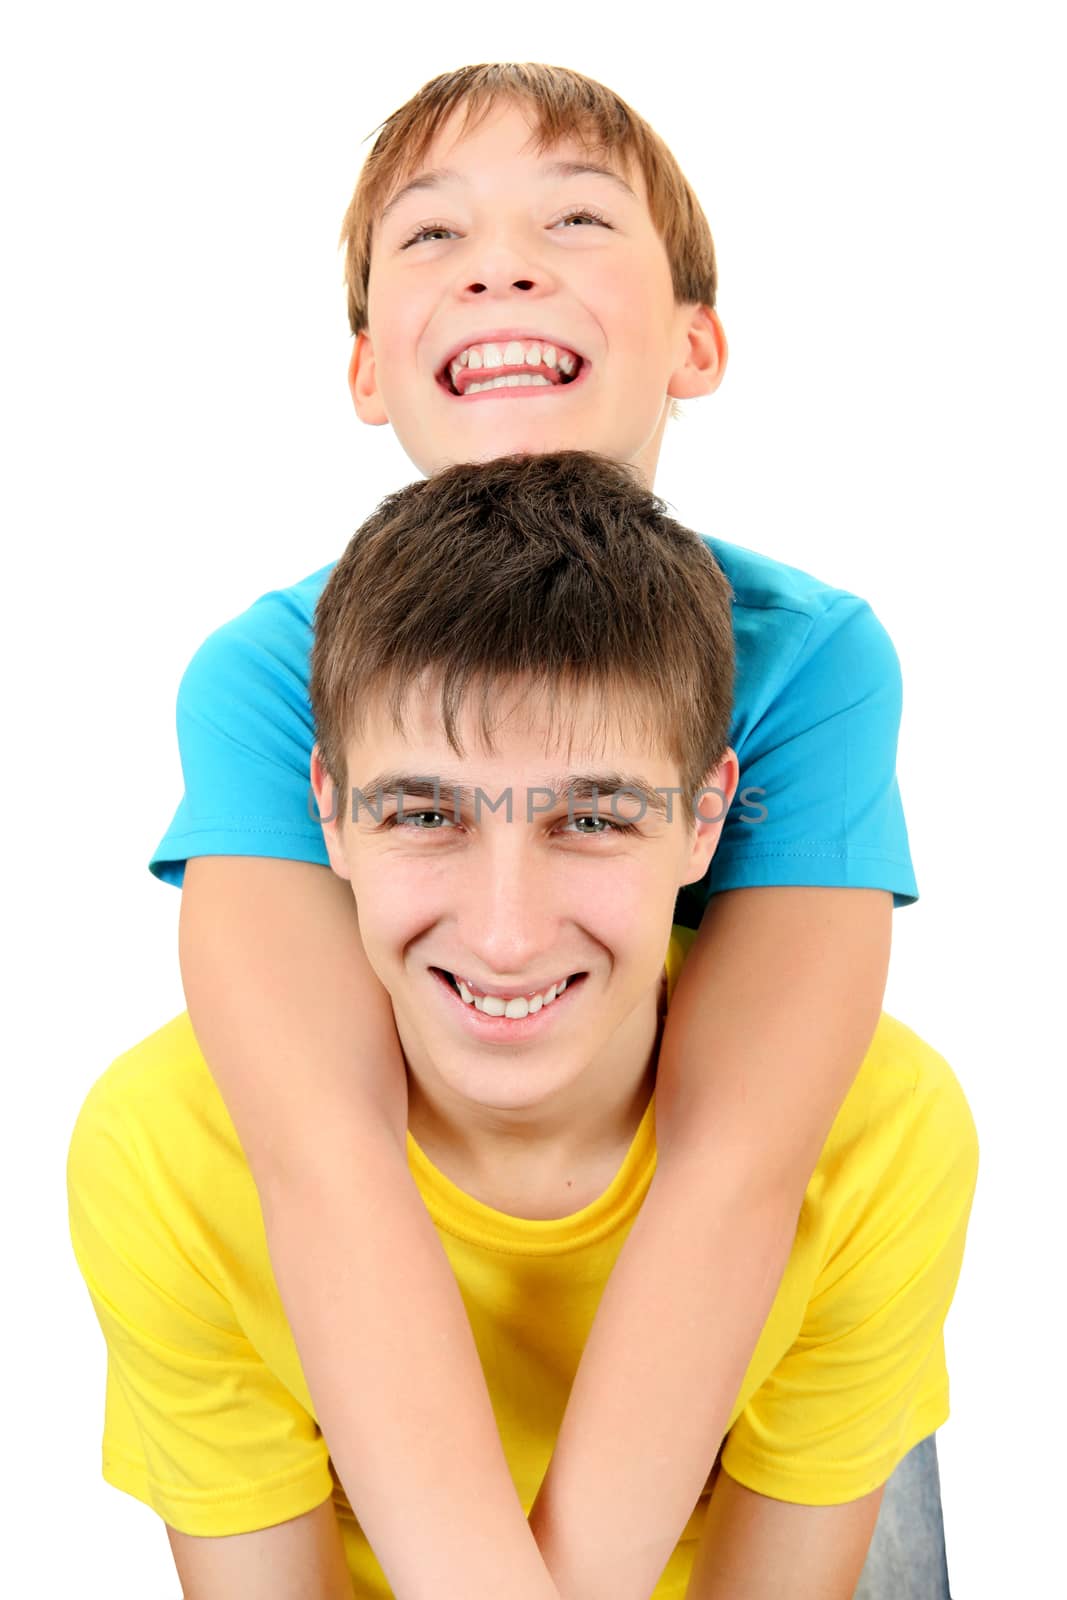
(429, 230)
(585, 214)
(423, 821)
(424, 231)
(596, 826)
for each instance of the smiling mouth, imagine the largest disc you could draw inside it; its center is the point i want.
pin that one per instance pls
(515, 1007)
(525, 364)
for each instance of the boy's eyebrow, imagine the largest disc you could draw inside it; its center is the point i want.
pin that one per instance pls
(578, 169)
(577, 788)
(434, 177)
(587, 786)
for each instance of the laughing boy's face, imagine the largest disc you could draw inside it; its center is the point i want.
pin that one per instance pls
(521, 302)
(523, 954)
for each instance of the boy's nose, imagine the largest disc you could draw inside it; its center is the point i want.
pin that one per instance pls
(507, 922)
(503, 263)
(519, 283)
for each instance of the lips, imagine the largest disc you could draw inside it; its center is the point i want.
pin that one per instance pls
(509, 361)
(515, 1004)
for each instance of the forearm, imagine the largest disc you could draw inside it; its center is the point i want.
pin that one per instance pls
(299, 1036)
(773, 1013)
(398, 1388)
(674, 1332)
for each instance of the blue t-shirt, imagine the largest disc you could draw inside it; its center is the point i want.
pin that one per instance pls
(815, 722)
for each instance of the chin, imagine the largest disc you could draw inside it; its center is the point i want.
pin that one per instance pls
(505, 1084)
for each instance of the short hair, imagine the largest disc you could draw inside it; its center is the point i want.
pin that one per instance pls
(564, 104)
(556, 574)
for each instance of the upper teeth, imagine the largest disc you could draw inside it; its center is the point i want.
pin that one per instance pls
(515, 353)
(495, 1005)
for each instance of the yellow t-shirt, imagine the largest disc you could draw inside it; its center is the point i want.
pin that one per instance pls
(208, 1418)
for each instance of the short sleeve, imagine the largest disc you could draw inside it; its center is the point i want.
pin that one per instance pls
(865, 1380)
(196, 1425)
(245, 735)
(816, 727)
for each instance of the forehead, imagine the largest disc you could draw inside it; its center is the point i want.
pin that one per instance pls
(513, 723)
(506, 129)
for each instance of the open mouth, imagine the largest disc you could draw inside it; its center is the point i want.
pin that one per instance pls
(523, 365)
(514, 1007)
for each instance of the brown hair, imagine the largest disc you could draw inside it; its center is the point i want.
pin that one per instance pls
(564, 104)
(558, 572)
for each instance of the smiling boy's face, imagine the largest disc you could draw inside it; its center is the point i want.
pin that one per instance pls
(497, 261)
(565, 911)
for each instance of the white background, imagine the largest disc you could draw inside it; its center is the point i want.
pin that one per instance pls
(885, 192)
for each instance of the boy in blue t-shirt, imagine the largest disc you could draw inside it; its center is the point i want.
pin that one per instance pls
(528, 270)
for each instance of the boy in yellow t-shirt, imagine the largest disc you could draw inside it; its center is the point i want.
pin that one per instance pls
(522, 681)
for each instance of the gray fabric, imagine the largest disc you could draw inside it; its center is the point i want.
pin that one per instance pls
(906, 1560)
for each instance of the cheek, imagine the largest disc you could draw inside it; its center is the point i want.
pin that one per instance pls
(394, 318)
(619, 902)
(615, 287)
(398, 900)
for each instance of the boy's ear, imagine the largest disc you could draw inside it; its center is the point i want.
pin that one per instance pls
(709, 815)
(705, 362)
(363, 382)
(328, 801)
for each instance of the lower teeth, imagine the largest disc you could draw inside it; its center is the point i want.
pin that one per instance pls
(515, 381)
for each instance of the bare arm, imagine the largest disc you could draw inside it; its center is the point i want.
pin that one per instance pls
(302, 1559)
(299, 1036)
(754, 1548)
(774, 1011)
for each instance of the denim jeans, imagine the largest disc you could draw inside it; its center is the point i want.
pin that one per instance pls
(906, 1560)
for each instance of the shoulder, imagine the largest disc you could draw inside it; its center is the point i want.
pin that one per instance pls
(162, 1205)
(154, 1118)
(787, 621)
(904, 1139)
(760, 583)
(271, 638)
(902, 1072)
